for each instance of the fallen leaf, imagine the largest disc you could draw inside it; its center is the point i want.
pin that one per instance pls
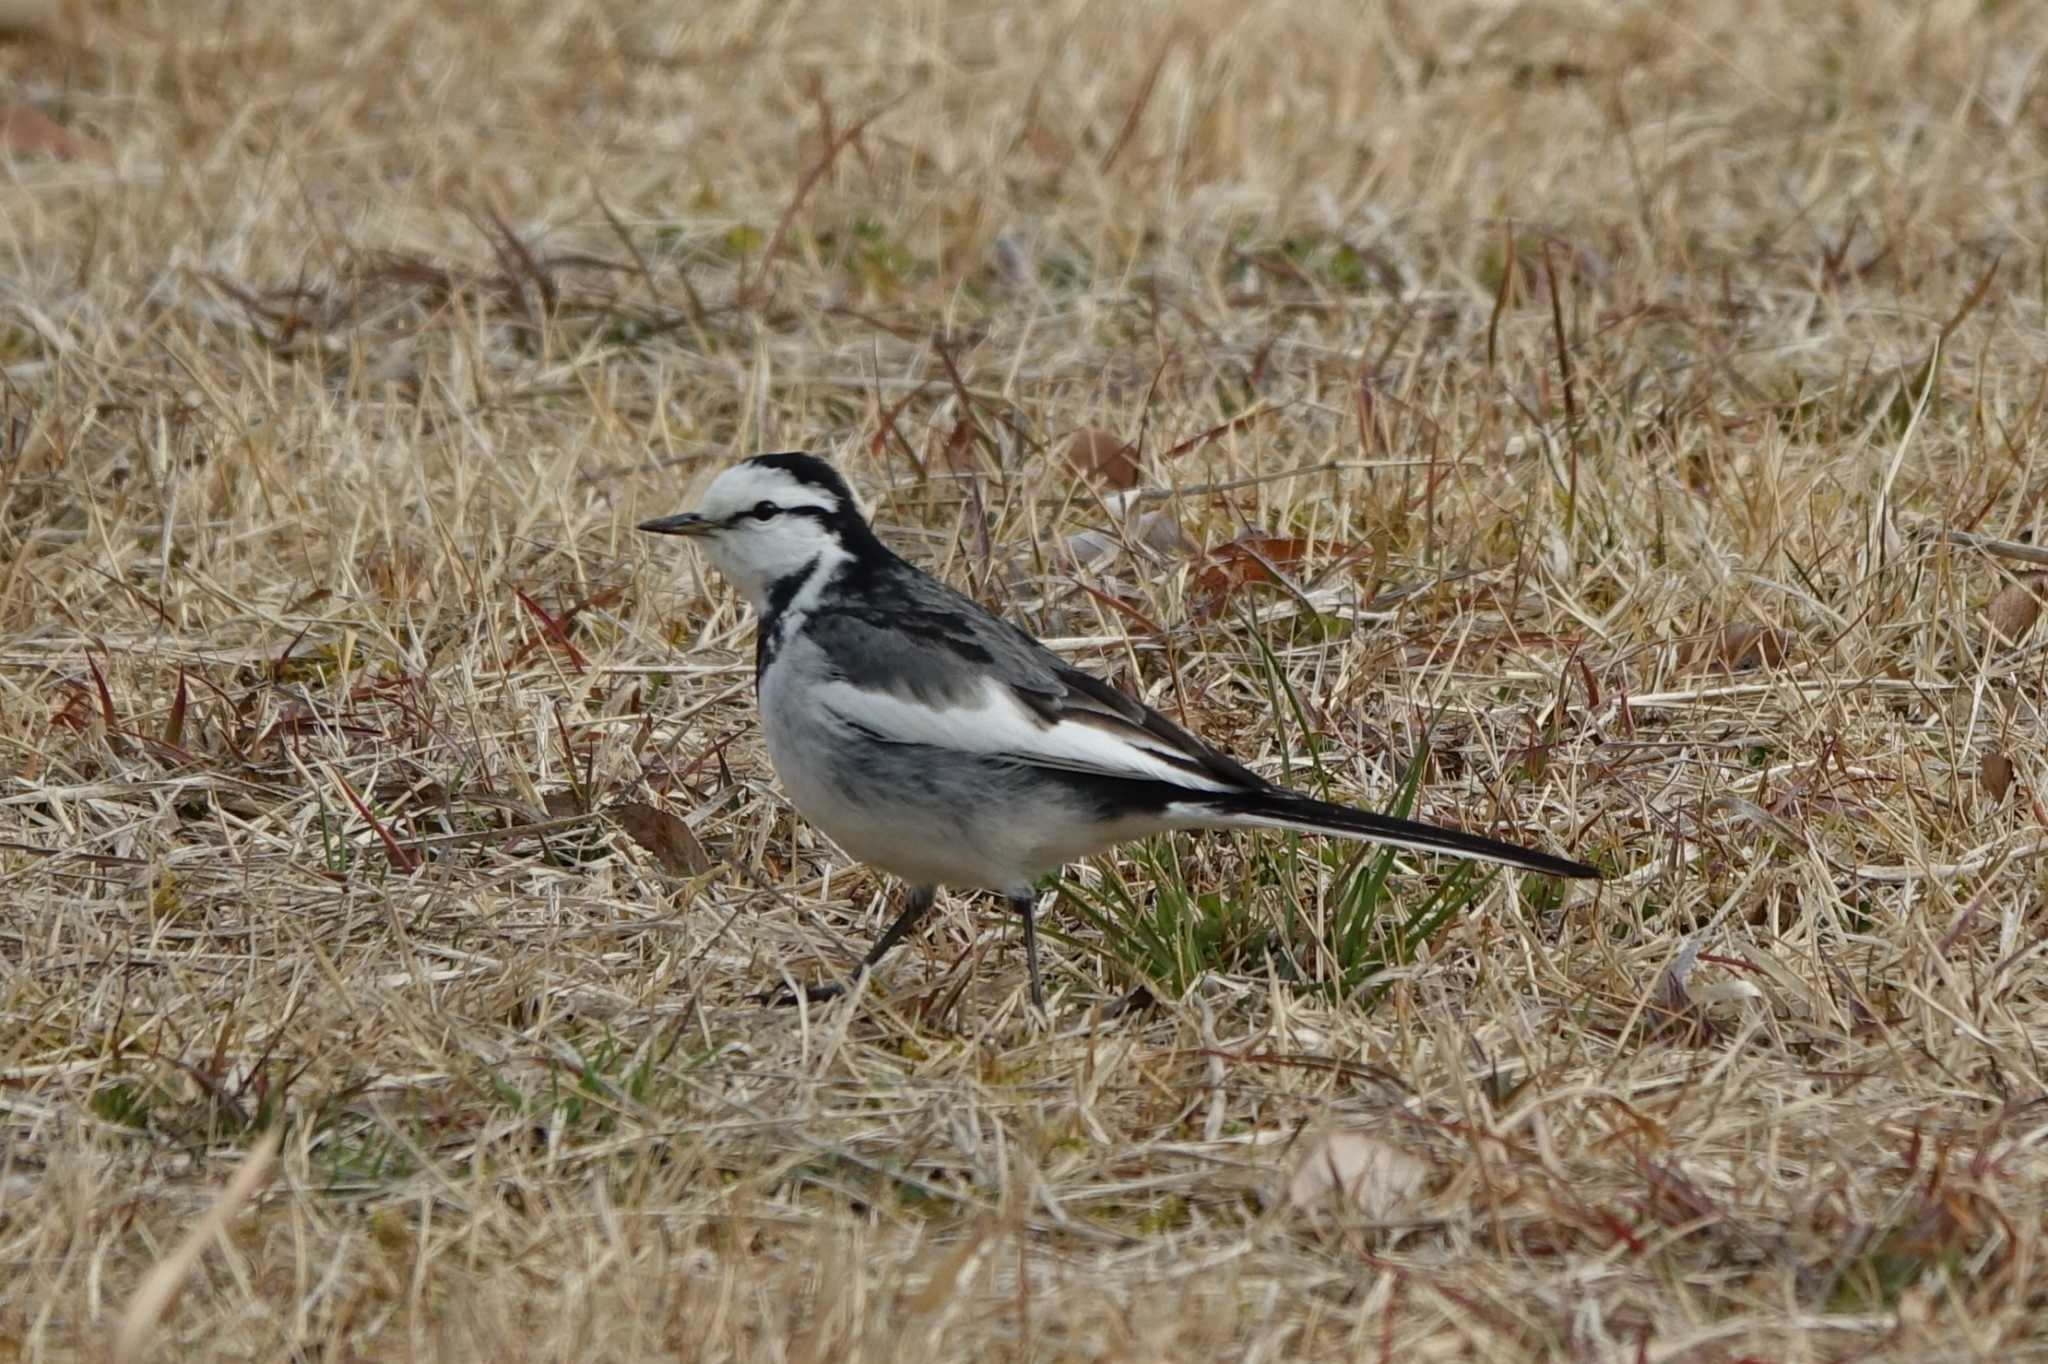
(664, 834)
(1159, 532)
(2015, 609)
(1153, 530)
(1247, 560)
(1103, 455)
(1674, 996)
(1738, 648)
(1753, 646)
(563, 803)
(1994, 774)
(1087, 548)
(1353, 1170)
(27, 131)
(958, 452)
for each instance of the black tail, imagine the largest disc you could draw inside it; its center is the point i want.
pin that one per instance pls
(1287, 810)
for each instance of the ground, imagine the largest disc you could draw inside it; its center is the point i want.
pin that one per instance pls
(1608, 426)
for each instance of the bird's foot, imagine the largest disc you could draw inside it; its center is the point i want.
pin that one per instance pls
(783, 997)
(1137, 1001)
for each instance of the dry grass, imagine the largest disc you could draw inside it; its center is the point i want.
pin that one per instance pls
(1550, 343)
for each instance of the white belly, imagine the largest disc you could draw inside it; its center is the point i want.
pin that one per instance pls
(926, 815)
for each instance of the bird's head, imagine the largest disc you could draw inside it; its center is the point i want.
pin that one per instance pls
(773, 519)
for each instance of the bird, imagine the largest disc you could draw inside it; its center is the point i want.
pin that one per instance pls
(945, 746)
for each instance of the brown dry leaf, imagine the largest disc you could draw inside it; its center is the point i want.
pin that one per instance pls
(2015, 609)
(1103, 455)
(1245, 560)
(27, 131)
(664, 834)
(562, 804)
(1994, 774)
(958, 451)
(1738, 648)
(1351, 1169)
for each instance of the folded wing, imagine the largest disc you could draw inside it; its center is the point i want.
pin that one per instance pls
(937, 670)
(943, 672)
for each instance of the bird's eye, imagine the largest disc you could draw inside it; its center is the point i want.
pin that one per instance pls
(764, 511)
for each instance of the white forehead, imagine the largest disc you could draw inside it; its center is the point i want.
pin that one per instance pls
(745, 485)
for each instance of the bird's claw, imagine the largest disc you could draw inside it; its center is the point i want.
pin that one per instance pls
(783, 997)
(1137, 1000)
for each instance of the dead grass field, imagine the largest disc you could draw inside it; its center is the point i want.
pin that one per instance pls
(1586, 386)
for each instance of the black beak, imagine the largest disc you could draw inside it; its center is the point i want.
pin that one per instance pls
(687, 523)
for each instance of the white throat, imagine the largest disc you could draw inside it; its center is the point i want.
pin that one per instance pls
(760, 559)
(783, 583)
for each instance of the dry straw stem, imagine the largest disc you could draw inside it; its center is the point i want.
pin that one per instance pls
(331, 382)
(160, 1286)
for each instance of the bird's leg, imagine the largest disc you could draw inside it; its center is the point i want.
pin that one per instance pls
(1025, 902)
(917, 902)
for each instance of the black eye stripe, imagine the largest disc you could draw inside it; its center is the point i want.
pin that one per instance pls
(765, 510)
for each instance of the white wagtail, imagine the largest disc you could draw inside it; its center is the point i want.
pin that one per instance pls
(948, 747)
